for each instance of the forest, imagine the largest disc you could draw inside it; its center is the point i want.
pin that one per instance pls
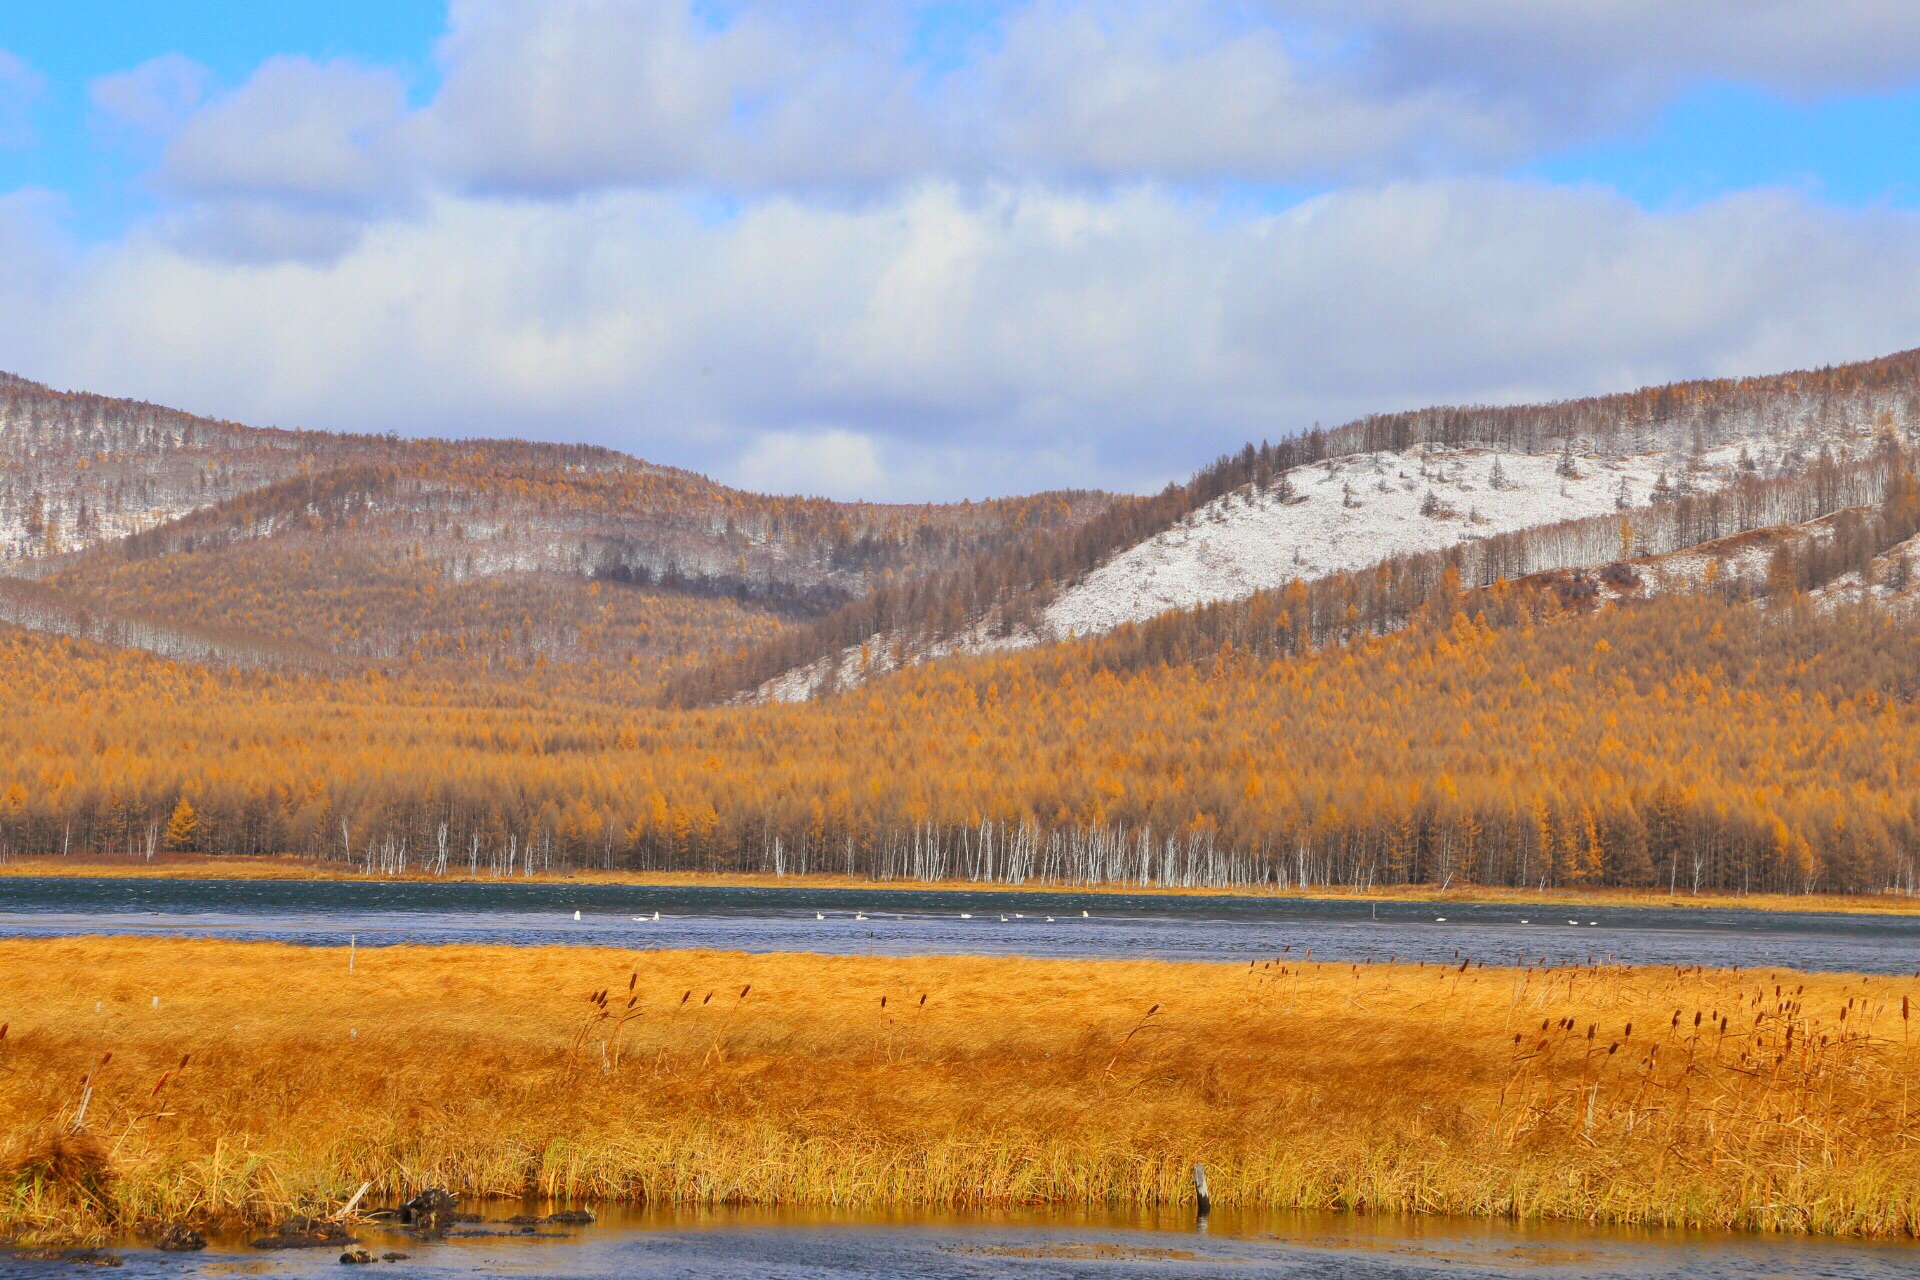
(1501, 738)
(502, 658)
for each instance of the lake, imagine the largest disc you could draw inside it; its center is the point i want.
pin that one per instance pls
(913, 921)
(745, 1243)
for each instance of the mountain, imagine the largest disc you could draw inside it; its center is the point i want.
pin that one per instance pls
(1517, 490)
(206, 539)
(1660, 638)
(511, 560)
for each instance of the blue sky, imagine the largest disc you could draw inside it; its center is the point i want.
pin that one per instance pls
(1846, 148)
(1849, 149)
(72, 43)
(927, 249)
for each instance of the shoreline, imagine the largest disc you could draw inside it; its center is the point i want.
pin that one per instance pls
(287, 867)
(1652, 1097)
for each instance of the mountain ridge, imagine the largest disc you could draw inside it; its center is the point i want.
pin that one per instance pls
(194, 535)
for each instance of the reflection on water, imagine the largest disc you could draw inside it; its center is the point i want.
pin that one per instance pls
(922, 921)
(762, 1243)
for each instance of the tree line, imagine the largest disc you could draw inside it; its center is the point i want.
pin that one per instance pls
(1500, 737)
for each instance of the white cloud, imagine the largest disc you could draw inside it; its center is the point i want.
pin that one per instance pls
(556, 101)
(20, 88)
(560, 98)
(1783, 44)
(151, 100)
(292, 164)
(36, 255)
(1178, 92)
(297, 130)
(772, 245)
(950, 340)
(833, 463)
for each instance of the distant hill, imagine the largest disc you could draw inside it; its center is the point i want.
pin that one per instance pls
(143, 525)
(1516, 490)
(196, 538)
(1665, 638)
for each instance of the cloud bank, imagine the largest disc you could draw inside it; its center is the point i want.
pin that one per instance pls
(812, 247)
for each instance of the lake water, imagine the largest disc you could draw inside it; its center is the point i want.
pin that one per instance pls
(907, 921)
(750, 1243)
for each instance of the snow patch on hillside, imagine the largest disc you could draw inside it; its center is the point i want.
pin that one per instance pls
(1351, 512)
(1741, 558)
(22, 539)
(1893, 578)
(856, 664)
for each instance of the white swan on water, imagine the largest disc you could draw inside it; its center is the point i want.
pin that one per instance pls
(576, 915)
(966, 915)
(819, 915)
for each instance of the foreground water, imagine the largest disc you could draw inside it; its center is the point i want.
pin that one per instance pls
(721, 1243)
(945, 922)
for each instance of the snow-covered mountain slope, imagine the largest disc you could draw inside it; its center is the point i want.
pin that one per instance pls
(856, 664)
(1348, 513)
(1330, 517)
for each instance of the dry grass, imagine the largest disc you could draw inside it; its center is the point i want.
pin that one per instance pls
(185, 866)
(1761, 1100)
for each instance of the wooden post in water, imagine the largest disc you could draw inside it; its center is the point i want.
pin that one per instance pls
(1200, 1189)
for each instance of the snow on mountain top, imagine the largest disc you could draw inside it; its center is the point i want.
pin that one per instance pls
(1350, 512)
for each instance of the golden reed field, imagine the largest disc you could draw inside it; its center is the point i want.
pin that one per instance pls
(270, 1078)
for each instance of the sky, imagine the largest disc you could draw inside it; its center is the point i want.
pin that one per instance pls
(914, 251)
